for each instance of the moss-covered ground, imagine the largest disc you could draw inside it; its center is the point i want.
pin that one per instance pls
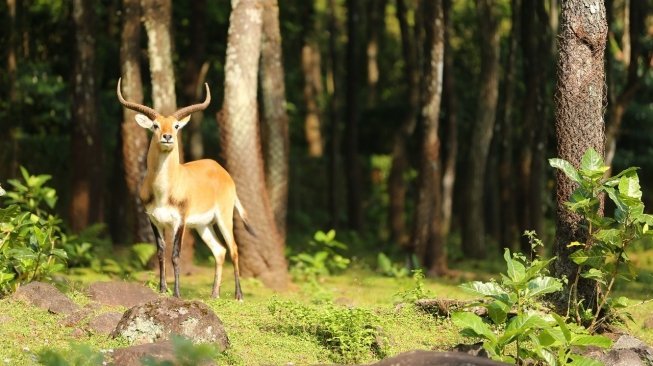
(256, 335)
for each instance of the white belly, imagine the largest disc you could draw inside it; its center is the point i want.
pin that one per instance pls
(165, 216)
(202, 219)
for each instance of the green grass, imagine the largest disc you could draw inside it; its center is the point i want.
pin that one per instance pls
(256, 336)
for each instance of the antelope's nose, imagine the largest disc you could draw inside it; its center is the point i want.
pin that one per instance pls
(167, 137)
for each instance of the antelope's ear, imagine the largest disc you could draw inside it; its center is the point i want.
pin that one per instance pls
(143, 121)
(183, 122)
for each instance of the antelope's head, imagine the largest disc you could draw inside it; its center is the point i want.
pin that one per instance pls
(164, 128)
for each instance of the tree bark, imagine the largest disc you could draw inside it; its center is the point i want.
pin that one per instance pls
(157, 15)
(376, 14)
(134, 138)
(473, 233)
(261, 256)
(352, 166)
(87, 202)
(427, 234)
(451, 123)
(311, 69)
(579, 121)
(396, 183)
(275, 117)
(333, 88)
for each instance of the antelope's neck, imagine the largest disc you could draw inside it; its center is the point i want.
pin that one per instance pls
(163, 169)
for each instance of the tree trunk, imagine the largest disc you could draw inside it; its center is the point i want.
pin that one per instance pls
(261, 256)
(86, 206)
(427, 235)
(333, 88)
(157, 15)
(311, 69)
(352, 166)
(509, 236)
(451, 124)
(12, 50)
(396, 183)
(579, 121)
(473, 233)
(618, 102)
(376, 15)
(134, 138)
(194, 78)
(275, 118)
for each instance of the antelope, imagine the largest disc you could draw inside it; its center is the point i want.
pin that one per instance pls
(198, 194)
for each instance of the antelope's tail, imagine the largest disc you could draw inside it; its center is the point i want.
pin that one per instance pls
(243, 216)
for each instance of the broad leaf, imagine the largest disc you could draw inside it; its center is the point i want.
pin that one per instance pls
(516, 270)
(543, 285)
(498, 312)
(594, 274)
(578, 360)
(473, 325)
(566, 168)
(483, 288)
(591, 340)
(592, 161)
(629, 186)
(563, 327)
(591, 257)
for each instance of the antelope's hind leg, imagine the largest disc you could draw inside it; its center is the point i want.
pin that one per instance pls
(225, 220)
(209, 237)
(160, 251)
(176, 249)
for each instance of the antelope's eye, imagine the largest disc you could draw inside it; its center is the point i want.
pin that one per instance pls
(176, 127)
(155, 126)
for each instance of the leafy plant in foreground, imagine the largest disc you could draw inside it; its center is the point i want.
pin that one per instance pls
(603, 257)
(417, 292)
(324, 258)
(518, 318)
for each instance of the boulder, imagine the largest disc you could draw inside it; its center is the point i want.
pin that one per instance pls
(105, 323)
(118, 293)
(429, 358)
(626, 351)
(47, 297)
(131, 356)
(158, 319)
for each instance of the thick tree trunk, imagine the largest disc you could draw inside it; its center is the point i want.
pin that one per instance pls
(86, 206)
(396, 183)
(311, 69)
(194, 78)
(261, 256)
(275, 117)
(375, 18)
(12, 50)
(352, 165)
(134, 138)
(333, 88)
(450, 146)
(427, 235)
(579, 120)
(157, 15)
(473, 233)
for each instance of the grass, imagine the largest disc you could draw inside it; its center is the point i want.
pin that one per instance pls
(256, 335)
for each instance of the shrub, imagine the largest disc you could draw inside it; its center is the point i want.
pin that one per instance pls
(323, 259)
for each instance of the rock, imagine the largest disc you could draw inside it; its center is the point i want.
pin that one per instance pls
(475, 349)
(120, 293)
(75, 318)
(626, 351)
(158, 319)
(429, 358)
(78, 333)
(105, 323)
(46, 296)
(131, 356)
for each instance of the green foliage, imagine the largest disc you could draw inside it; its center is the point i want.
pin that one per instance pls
(323, 259)
(78, 355)
(602, 257)
(518, 318)
(30, 237)
(385, 266)
(351, 334)
(417, 292)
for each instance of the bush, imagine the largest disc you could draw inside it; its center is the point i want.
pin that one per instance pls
(323, 259)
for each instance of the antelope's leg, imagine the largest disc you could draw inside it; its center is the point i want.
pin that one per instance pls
(226, 225)
(176, 249)
(160, 251)
(209, 237)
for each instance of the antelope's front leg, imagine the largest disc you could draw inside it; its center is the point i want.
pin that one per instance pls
(160, 251)
(176, 248)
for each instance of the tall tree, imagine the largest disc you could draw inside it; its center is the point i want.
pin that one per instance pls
(333, 89)
(427, 234)
(375, 21)
(352, 166)
(311, 69)
(579, 121)
(261, 256)
(157, 15)
(275, 117)
(87, 203)
(473, 230)
(134, 138)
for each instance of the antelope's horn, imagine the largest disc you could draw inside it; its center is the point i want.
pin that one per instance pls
(195, 107)
(151, 113)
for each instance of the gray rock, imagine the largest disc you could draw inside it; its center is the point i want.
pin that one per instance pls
(626, 351)
(47, 297)
(121, 293)
(76, 317)
(430, 358)
(105, 323)
(158, 319)
(131, 356)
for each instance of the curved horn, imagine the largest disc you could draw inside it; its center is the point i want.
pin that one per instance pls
(151, 113)
(195, 107)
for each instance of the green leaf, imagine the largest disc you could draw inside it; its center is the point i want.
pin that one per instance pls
(473, 325)
(594, 274)
(591, 257)
(578, 360)
(521, 325)
(563, 327)
(7, 214)
(592, 161)
(543, 285)
(498, 312)
(591, 340)
(483, 288)
(516, 270)
(566, 168)
(629, 186)
(618, 302)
